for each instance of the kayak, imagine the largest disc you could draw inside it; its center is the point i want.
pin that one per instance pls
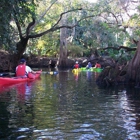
(76, 70)
(91, 69)
(52, 72)
(98, 70)
(16, 80)
(85, 69)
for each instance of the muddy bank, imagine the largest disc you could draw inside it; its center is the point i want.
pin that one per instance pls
(7, 62)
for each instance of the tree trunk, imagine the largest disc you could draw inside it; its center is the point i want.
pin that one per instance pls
(62, 61)
(21, 47)
(133, 72)
(63, 49)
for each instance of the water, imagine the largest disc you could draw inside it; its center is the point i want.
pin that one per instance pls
(69, 107)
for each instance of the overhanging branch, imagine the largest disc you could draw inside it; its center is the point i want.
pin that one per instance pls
(120, 47)
(55, 27)
(29, 27)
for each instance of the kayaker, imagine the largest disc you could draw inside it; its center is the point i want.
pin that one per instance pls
(22, 69)
(76, 66)
(89, 65)
(97, 65)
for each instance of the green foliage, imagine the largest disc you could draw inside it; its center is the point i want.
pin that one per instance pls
(47, 45)
(95, 34)
(75, 51)
(120, 55)
(11, 12)
(103, 28)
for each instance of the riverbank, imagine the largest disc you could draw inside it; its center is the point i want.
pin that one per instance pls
(7, 62)
(113, 73)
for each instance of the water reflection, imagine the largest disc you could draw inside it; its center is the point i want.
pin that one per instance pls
(76, 74)
(24, 92)
(96, 74)
(60, 107)
(89, 75)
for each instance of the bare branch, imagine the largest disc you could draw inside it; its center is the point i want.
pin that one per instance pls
(135, 41)
(17, 23)
(49, 30)
(43, 14)
(46, 10)
(30, 26)
(120, 47)
(53, 28)
(59, 27)
(114, 16)
(63, 14)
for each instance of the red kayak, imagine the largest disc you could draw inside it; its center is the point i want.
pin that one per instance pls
(16, 80)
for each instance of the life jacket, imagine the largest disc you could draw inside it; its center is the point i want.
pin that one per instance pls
(98, 66)
(76, 66)
(89, 65)
(21, 70)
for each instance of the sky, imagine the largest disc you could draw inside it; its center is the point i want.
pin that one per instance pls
(92, 1)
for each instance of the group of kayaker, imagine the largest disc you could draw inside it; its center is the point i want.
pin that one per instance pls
(89, 65)
(23, 70)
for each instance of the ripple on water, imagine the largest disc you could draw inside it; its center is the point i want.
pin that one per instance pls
(57, 107)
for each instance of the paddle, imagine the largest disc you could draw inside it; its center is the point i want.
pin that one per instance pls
(7, 74)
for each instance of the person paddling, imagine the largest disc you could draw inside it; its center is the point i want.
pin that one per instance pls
(97, 65)
(89, 65)
(76, 66)
(23, 70)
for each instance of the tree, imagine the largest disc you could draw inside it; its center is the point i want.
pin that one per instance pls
(126, 21)
(111, 14)
(21, 10)
(133, 70)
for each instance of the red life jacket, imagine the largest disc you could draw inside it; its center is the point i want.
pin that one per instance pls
(98, 65)
(21, 70)
(76, 66)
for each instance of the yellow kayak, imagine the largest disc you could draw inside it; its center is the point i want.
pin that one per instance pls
(76, 70)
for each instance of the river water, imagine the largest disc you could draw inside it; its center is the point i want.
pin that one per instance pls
(68, 106)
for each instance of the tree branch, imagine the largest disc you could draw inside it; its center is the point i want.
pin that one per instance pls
(43, 14)
(57, 28)
(120, 47)
(63, 14)
(17, 23)
(49, 30)
(29, 27)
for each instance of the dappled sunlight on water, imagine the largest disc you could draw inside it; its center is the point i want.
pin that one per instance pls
(66, 106)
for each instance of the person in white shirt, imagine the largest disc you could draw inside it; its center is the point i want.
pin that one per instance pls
(22, 69)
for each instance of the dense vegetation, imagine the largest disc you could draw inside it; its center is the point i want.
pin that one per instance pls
(95, 25)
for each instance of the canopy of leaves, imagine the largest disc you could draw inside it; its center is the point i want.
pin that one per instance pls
(96, 25)
(12, 12)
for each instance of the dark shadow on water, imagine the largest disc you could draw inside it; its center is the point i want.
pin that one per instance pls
(69, 106)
